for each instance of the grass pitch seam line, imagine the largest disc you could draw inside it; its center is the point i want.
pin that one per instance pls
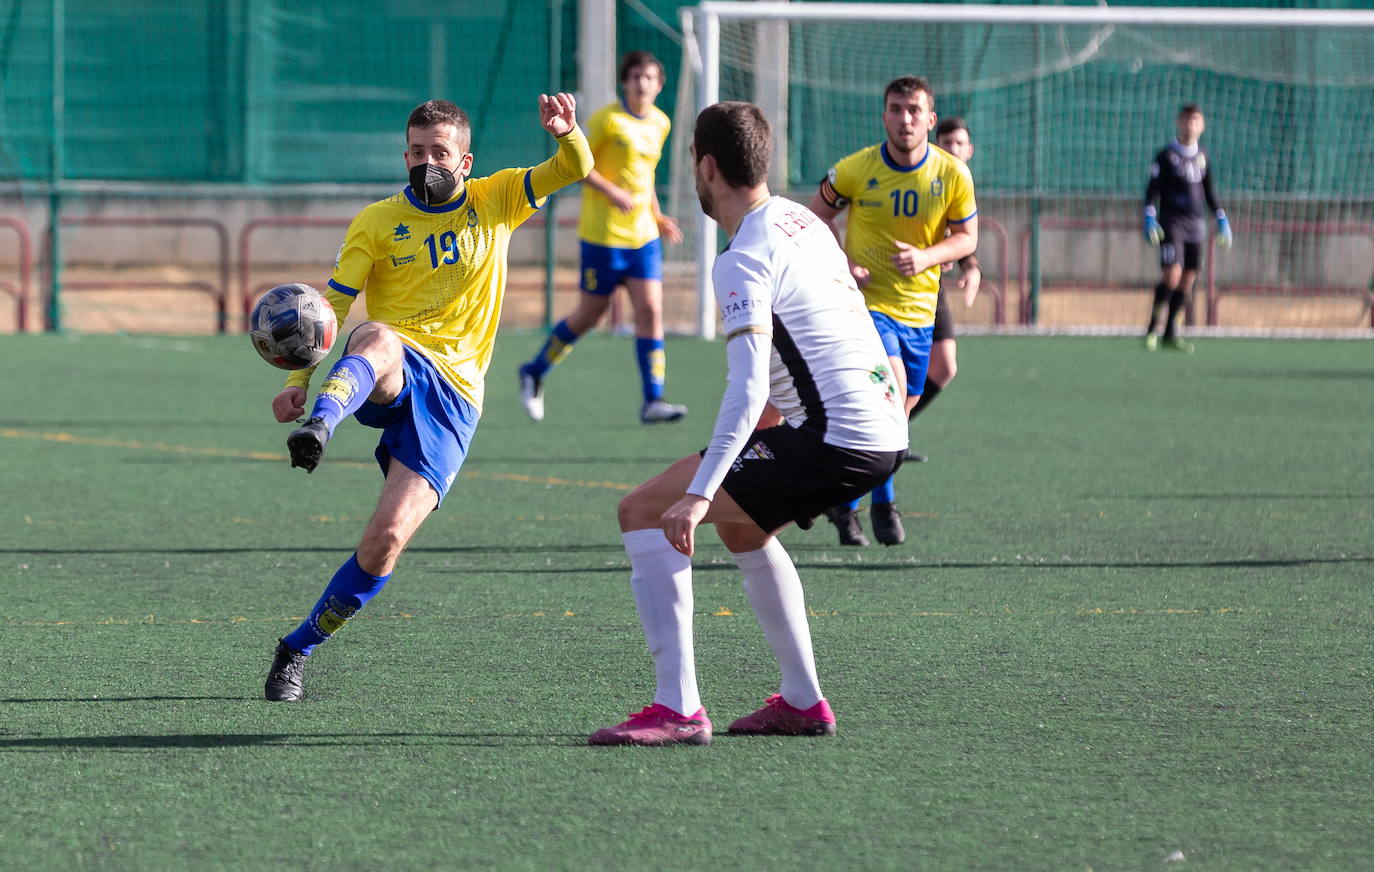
(103, 442)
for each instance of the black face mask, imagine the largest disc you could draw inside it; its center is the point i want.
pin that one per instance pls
(432, 184)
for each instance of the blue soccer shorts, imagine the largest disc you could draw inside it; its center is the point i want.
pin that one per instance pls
(428, 428)
(604, 267)
(910, 344)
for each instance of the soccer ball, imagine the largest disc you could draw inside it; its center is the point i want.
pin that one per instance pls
(292, 326)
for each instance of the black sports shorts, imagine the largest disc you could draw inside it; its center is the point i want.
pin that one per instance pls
(1177, 247)
(787, 474)
(944, 321)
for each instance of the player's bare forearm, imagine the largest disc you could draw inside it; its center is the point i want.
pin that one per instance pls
(954, 247)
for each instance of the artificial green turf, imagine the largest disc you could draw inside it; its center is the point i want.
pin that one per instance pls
(1133, 617)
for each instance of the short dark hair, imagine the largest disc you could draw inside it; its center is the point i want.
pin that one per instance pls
(908, 85)
(739, 137)
(432, 113)
(1189, 109)
(634, 59)
(949, 125)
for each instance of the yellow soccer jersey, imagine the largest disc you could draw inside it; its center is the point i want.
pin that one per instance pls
(887, 202)
(437, 274)
(626, 148)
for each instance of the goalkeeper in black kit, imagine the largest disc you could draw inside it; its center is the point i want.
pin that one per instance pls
(1181, 186)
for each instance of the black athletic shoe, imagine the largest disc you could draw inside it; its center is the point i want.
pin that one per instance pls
(913, 457)
(285, 676)
(887, 524)
(846, 520)
(306, 444)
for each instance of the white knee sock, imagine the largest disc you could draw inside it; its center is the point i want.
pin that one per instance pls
(661, 578)
(775, 592)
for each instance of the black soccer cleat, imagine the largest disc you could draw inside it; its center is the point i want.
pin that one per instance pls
(284, 679)
(846, 520)
(306, 444)
(887, 523)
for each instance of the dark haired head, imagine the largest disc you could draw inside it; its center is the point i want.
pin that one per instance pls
(1189, 109)
(907, 85)
(948, 125)
(432, 113)
(639, 59)
(738, 136)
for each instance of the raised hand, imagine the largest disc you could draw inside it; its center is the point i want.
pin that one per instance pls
(558, 114)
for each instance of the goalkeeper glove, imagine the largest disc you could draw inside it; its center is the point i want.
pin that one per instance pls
(1224, 236)
(1154, 233)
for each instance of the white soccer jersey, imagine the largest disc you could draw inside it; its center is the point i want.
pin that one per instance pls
(785, 275)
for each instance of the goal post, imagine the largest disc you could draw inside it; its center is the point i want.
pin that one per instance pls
(1067, 106)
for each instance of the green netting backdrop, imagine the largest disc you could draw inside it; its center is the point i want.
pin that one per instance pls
(265, 91)
(307, 91)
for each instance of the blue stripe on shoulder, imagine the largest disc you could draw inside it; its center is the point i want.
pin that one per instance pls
(965, 218)
(529, 192)
(343, 289)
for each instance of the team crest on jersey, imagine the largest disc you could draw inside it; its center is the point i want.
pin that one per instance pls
(937, 188)
(872, 183)
(472, 217)
(402, 233)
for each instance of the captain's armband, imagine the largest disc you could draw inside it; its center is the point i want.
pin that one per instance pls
(746, 330)
(831, 197)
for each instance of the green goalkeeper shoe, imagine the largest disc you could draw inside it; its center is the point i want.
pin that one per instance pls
(1151, 341)
(1175, 343)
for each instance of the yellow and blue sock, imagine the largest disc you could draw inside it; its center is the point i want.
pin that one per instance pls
(555, 348)
(653, 364)
(348, 591)
(344, 390)
(884, 493)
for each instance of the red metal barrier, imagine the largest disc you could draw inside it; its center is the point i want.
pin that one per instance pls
(1052, 223)
(1305, 228)
(21, 290)
(1213, 294)
(999, 292)
(248, 296)
(219, 294)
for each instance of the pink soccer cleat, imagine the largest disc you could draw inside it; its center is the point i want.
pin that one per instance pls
(657, 725)
(777, 718)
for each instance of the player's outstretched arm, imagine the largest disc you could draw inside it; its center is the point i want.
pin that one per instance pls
(573, 160)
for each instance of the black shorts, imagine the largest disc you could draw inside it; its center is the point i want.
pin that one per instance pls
(944, 321)
(787, 474)
(1175, 248)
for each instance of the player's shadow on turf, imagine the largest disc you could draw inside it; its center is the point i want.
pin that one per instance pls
(119, 699)
(565, 461)
(1262, 496)
(280, 740)
(1318, 374)
(553, 548)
